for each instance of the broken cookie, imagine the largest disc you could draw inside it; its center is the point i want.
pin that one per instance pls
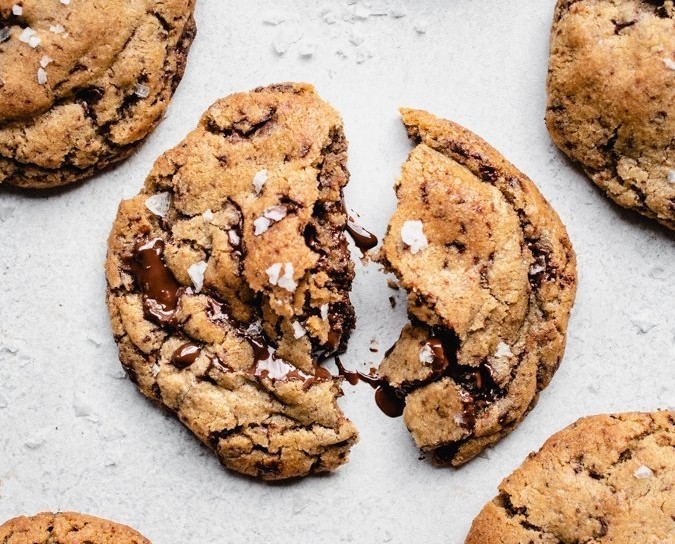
(491, 278)
(229, 278)
(605, 478)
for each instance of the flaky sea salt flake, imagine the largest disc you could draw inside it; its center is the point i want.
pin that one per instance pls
(65, 2)
(298, 330)
(259, 181)
(45, 61)
(324, 312)
(503, 350)
(643, 473)
(286, 281)
(26, 34)
(196, 273)
(261, 225)
(141, 91)
(273, 273)
(412, 234)
(275, 213)
(670, 63)
(427, 355)
(34, 41)
(41, 76)
(56, 29)
(207, 215)
(159, 203)
(17, 10)
(671, 176)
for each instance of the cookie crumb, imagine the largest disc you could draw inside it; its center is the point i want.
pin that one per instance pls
(374, 346)
(17, 10)
(159, 204)
(412, 234)
(259, 181)
(427, 355)
(298, 330)
(196, 273)
(392, 302)
(41, 76)
(670, 63)
(643, 472)
(503, 350)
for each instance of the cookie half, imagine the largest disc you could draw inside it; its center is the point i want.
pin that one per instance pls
(67, 528)
(491, 279)
(605, 478)
(229, 278)
(82, 85)
(611, 98)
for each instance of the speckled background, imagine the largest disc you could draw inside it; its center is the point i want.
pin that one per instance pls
(76, 435)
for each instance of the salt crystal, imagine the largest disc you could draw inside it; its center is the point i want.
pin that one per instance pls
(259, 181)
(412, 234)
(286, 281)
(324, 312)
(233, 237)
(142, 91)
(670, 63)
(34, 41)
(45, 61)
(275, 213)
(298, 330)
(261, 225)
(671, 176)
(56, 29)
(26, 34)
(17, 10)
(155, 370)
(41, 76)
(421, 26)
(5, 33)
(307, 50)
(643, 473)
(196, 273)
(159, 203)
(81, 407)
(65, 2)
(427, 355)
(503, 350)
(398, 12)
(273, 273)
(207, 216)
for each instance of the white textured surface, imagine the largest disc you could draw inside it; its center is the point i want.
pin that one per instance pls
(75, 435)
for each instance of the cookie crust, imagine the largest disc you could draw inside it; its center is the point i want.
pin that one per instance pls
(605, 478)
(489, 294)
(611, 98)
(81, 97)
(253, 205)
(67, 528)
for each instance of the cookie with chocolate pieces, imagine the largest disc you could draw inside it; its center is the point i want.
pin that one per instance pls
(491, 278)
(611, 98)
(604, 479)
(67, 528)
(229, 279)
(83, 83)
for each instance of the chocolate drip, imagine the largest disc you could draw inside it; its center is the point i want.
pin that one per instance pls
(161, 291)
(388, 399)
(185, 355)
(363, 239)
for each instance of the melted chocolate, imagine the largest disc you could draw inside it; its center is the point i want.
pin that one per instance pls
(363, 239)
(161, 291)
(185, 355)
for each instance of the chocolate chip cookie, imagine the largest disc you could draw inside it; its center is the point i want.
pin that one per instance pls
(491, 279)
(67, 528)
(82, 84)
(229, 278)
(606, 478)
(611, 98)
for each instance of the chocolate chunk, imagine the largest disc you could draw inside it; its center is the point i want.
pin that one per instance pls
(363, 239)
(185, 355)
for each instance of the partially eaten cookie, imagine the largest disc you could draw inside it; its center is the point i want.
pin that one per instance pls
(229, 279)
(491, 278)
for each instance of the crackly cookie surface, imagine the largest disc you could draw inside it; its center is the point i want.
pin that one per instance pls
(67, 528)
(229, 277)
(82, 83)
(606, 478)
(611, 98)
(491, 278)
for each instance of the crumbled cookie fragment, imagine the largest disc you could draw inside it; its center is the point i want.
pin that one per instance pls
(491, 278)
(223, 324)
(75, 96)
(611, 98)
(604, 490)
